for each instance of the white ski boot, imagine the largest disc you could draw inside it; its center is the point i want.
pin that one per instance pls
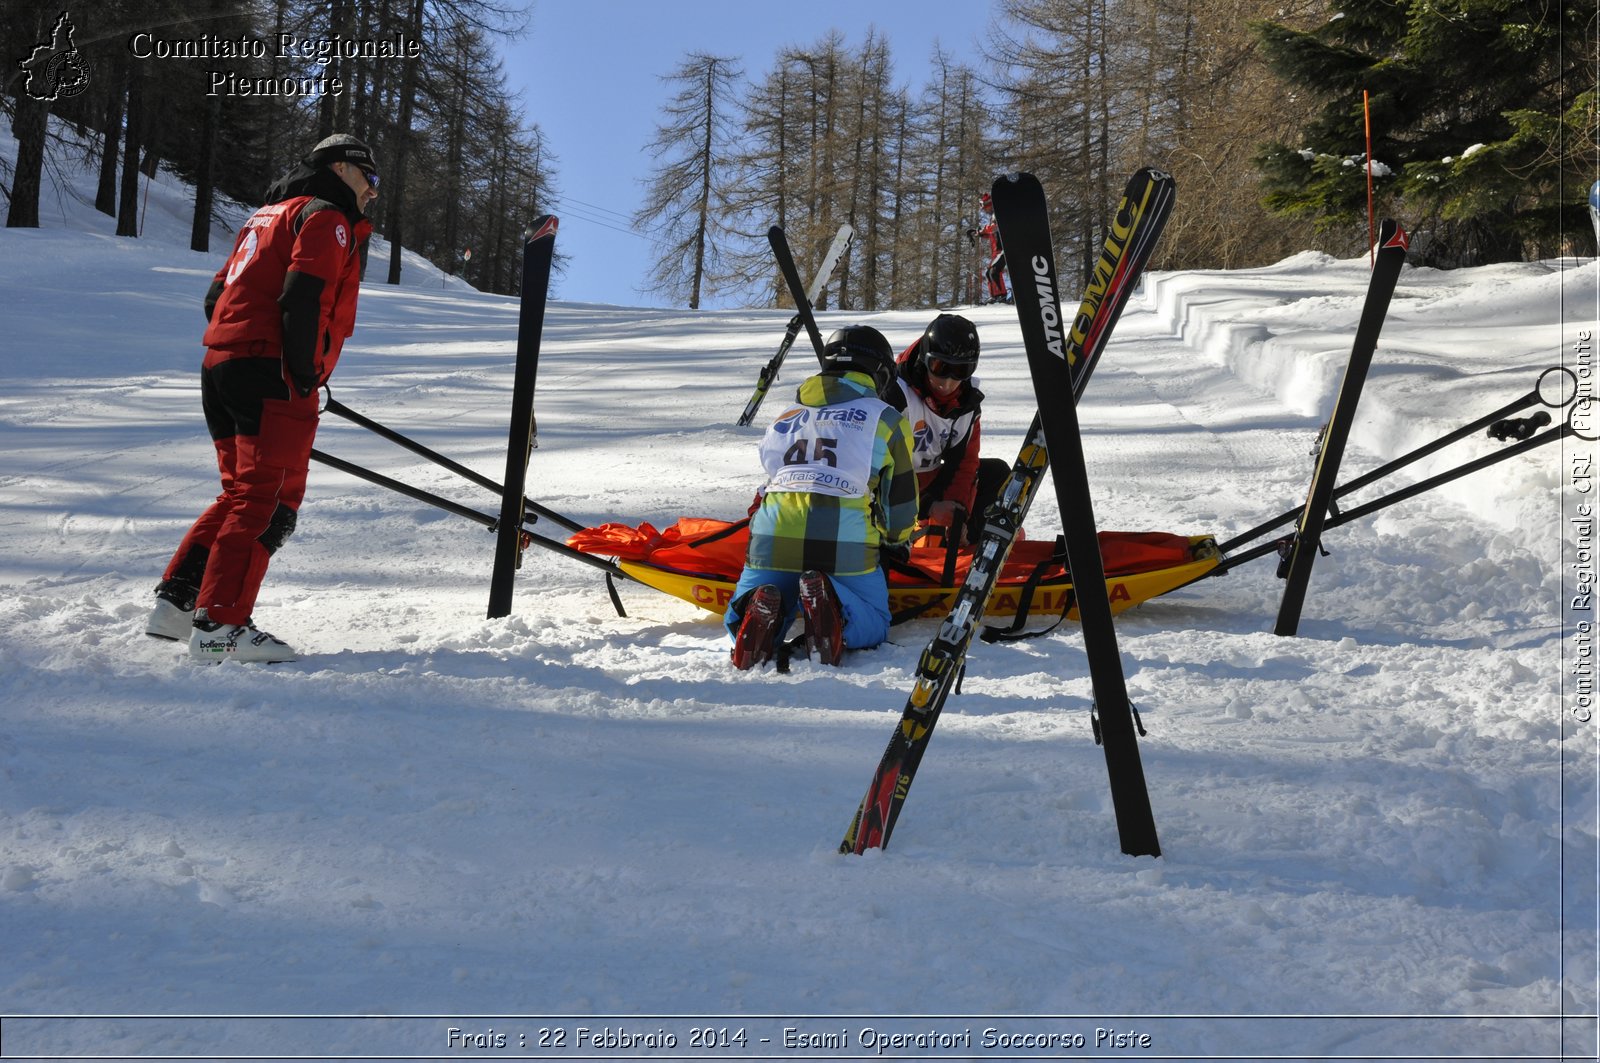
(169, 621)
(214, 643)
(173, 615)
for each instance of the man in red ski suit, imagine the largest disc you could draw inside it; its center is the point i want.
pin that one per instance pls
(994, 274)
(279, 311)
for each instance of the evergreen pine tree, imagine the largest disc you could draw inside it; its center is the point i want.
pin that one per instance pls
(1482, 117)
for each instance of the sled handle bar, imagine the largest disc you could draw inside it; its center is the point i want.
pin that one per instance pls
(477, 516)
(1557, 387)
(334, 406)
(1568, 427)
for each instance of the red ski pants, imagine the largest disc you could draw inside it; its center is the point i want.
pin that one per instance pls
(263, 434)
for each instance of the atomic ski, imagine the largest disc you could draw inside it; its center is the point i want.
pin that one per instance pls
(769, 374)
(1021, 213)
(537, 254)
(1139, 220)
(1302, 548)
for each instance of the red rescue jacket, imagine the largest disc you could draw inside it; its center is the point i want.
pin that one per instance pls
(291, 286)
(991, 232)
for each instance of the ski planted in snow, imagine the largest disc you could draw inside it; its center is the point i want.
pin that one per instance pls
(769, 374)
(791, 277)
(537, 254)
(1139, 219)
(1301, 552)
(1023, 217)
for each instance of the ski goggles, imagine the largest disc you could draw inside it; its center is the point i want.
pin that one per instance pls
(370, 175)
(950, 370)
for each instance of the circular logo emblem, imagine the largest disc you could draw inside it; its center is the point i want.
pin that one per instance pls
(67, 75)
(242, 257)
(340, 235)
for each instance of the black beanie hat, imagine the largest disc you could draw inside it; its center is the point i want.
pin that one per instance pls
(342, 147)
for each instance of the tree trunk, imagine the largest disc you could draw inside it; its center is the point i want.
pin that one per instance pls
(200, 230)
(29, 126)
(897, 209)
(279, 21)
(781, 174)
(709, 102)
(1086, 150)
(105, 197)
(408, 103)
(344, 25)
(362, 89)
(941, 152)
(455, 156)
(128, 206)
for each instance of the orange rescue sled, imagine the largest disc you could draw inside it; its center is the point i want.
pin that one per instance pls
(699, 559)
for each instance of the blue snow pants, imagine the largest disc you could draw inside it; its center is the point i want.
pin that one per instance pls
(863, 602)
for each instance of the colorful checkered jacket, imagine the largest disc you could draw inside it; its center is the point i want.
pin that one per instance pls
(840, 481)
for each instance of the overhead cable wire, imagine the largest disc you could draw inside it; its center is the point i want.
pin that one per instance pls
(603, 210)
(565, 204)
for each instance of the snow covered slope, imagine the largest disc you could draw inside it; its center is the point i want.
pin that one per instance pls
(1379, 837)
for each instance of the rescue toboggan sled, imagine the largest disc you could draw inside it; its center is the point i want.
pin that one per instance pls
(698, 559)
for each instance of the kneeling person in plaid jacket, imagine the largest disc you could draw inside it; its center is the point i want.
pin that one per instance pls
(841, 486)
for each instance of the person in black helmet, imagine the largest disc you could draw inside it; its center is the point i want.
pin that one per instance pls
(941, 399)
(840, 487)
(994, 274)
(278, 313)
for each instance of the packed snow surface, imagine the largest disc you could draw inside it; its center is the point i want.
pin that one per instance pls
(567, 832)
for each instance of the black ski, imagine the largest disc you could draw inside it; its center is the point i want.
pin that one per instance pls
(537, 254)
(791, 277)
(1307, 539)
(1139, 220)
(1023, 217)
(769, 373)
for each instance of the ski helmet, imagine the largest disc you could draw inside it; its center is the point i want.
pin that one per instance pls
(861, 349)
(951, 341)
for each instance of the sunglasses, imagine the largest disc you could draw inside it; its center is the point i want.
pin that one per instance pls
(366, 171)
(950, 370)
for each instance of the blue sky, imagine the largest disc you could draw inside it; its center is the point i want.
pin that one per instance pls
(590, 76)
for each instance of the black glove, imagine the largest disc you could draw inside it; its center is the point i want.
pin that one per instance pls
(304, 384)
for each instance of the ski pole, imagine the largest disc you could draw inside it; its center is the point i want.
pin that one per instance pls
(769, 374)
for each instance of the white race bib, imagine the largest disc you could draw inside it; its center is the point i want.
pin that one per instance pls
(932, 433)
(826, 450)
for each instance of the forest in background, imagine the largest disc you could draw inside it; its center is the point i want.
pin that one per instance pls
(463, 166)
(1483, 118)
